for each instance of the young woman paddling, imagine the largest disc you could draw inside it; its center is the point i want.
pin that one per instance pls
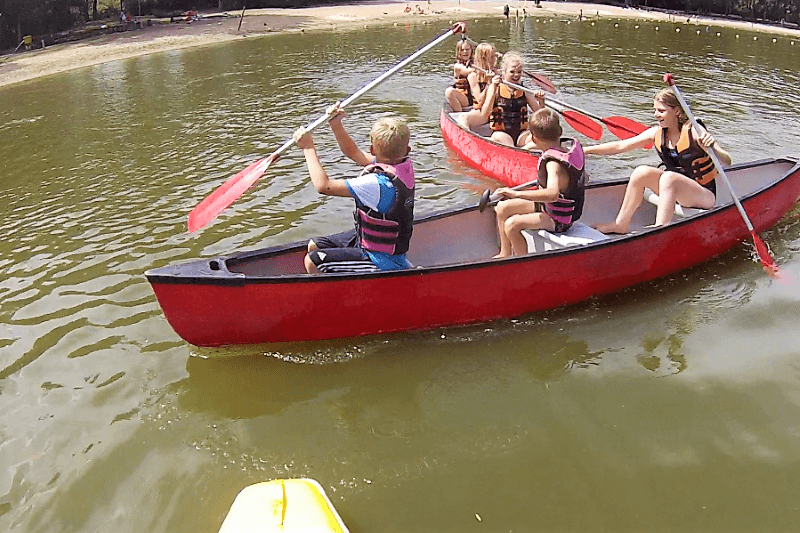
(506, 108)
(688, 174)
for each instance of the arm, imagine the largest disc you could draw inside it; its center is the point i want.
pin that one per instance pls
(319, 177)
(707, 141)
(475, 87)
(535, 100)
(346, 143)
(491, 93)
(557, 178)
(626, 145)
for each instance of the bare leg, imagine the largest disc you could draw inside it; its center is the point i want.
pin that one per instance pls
(503, 138)
(515, 224)
(674, 187)
(505, 210)
(523, 138)
(311, 246)
(311, 268)
(456, 99)
(641, 178)
(471, 120)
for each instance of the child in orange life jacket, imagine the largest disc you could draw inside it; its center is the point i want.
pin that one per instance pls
(459, 95)
(485, 60)
(688, 176)
(384, 195)
(506, 109)
(557, 201)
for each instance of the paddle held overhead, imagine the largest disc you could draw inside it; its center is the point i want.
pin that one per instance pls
(227, 193)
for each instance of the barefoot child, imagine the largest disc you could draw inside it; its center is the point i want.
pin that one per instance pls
(384, 195)
(557, 202)
(505, 108)
(688, 176)
(459, 95)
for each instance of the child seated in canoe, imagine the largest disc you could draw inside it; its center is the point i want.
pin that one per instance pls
(506, 108)
(384, 196)
(484, 63)
(688, 174)
(557, 201)
(459, 95)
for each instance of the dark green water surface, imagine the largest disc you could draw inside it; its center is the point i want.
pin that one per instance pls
(673, 406)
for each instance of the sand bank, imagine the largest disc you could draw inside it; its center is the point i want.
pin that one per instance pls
(216, 28)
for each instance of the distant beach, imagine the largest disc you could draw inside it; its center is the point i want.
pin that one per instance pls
(214, 28)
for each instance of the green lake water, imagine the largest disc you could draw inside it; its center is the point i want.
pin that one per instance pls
(672, 406)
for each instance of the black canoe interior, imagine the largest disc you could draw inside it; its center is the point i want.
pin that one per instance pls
(467, 235)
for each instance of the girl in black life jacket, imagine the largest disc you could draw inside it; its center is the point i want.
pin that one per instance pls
(506, 109)
(688, 174)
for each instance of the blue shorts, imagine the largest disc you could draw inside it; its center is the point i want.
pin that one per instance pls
(339, 253)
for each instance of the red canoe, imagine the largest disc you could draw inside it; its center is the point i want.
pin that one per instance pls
(263, 296)
(512, 166)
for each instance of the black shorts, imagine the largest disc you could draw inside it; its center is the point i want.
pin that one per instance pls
(340, 253)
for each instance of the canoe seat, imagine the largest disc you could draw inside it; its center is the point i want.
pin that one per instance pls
(681, 211)
(540, 240)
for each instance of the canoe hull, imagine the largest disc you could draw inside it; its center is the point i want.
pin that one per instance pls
(210, 307)
(511, 166)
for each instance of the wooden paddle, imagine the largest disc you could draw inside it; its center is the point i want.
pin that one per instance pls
(227, 193)
(764, 256)
(539, 79)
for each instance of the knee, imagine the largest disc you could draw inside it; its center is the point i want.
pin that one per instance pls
(512, 225)
(640, 173)
(312, 246)
(311, 268)
(668, 182)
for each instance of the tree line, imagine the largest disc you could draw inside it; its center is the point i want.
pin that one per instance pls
(47, 17)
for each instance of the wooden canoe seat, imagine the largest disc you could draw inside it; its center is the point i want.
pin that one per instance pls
(579, 234)
(681, 211)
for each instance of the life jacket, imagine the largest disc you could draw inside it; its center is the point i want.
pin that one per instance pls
(388, 232)
(569, 206)
(482, 87)
(510, 112)
(691, 160)
(461, 82)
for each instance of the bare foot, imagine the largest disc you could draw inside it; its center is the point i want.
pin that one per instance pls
(611, 228)
(500, 256)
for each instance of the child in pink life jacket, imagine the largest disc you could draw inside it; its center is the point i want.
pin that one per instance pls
(557, 201)
(384, 196)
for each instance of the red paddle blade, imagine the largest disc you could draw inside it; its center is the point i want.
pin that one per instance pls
(767, 262)
(583, 124)
(625, 128)
(542, 81)
(216, 202)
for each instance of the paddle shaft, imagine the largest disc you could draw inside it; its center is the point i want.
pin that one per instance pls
(366, 88)
(234, 187)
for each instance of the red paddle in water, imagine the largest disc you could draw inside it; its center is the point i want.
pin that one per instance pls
(623, 128)
(763, 252)
(227, 193)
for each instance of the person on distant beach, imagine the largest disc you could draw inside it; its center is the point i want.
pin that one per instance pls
(459, 95)
(384, 195)
(688, 174)
(506, 108)
(557, 201)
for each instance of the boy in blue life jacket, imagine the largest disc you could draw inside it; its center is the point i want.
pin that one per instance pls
(384, 196)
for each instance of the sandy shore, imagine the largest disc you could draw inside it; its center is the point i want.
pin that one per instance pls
(222, 27)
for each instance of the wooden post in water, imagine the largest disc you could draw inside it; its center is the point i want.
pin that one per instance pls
(242, 18)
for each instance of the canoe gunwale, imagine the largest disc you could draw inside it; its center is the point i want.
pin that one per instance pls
(229, 278)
